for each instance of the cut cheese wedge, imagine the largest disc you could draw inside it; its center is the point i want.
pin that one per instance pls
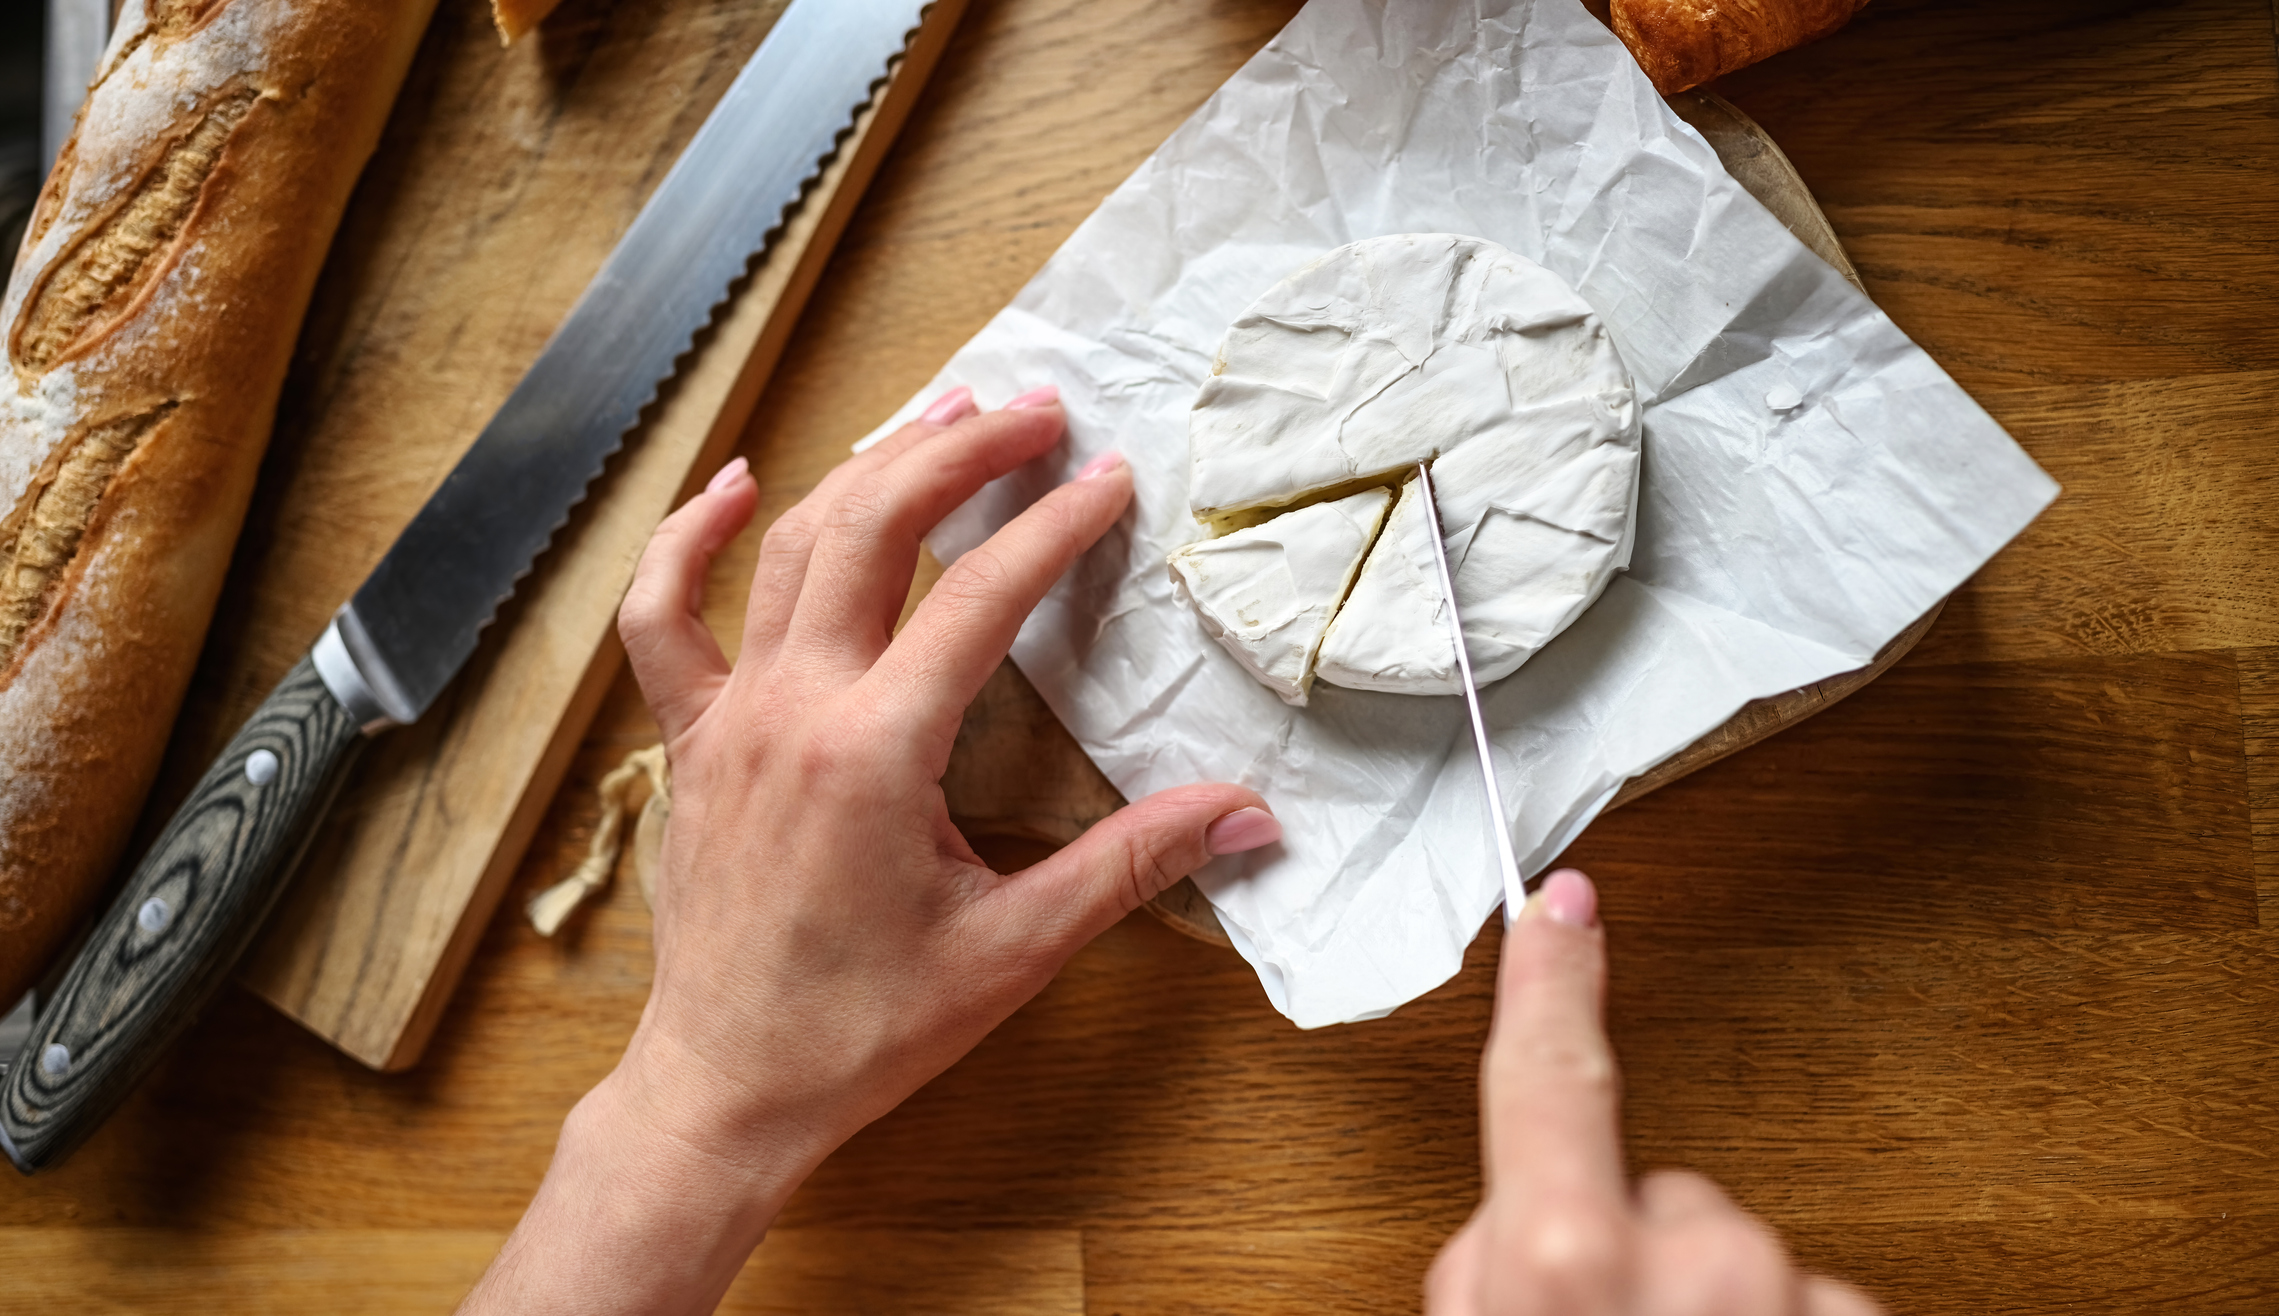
(1267, 594)
(1529, 553)
(1439, 348)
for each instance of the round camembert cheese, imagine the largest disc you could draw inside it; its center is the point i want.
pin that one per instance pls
(1384, 353)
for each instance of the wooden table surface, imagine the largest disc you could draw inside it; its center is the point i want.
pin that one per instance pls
(1969, 985)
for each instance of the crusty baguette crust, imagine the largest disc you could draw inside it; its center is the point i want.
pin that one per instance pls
(1684, 43)
(515, 17)
(148, 324)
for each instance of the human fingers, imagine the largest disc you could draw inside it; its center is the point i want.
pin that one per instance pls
(966, 623)
(1668, 1197)
(1702, 1254)
(1727, 1265)
(786, 547)
(677, 662)
(1549, 1106)
(866, 546)
(1128, 858)
(1831, 1297)
(1550, 1088)
(1452, 1286)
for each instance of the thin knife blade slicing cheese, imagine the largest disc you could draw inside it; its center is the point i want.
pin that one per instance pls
(1439, 348)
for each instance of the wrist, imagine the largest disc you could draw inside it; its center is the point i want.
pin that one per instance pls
(775, 1097)
(657, 1209)
(696, 1137)
(638, 1212)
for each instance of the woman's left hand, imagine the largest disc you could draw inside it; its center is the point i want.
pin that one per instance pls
(826, 940)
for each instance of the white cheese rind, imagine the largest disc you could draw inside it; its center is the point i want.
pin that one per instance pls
(1445, 349)
(1267, 593)
(1534, 533)
(1391, 351)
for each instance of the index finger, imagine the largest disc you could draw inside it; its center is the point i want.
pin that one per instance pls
(788, 544)
(1550, 1096)
(966, 623)
(858, 575)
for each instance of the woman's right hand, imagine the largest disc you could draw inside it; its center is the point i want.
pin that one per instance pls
(1561, 1231)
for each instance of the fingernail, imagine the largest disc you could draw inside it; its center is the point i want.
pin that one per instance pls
(950, 407)
(1568, 897)
(1034, 398)
(728, 475)
(1244, 829)
(1101, 465)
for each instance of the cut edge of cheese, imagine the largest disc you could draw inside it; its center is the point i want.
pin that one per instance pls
(1391, 634)
(1397, 589)
(1269, 593)
(1227, 521)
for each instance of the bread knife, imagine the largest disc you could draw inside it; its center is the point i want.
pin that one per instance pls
(77, 32)
(1515, 891)
(195, 900)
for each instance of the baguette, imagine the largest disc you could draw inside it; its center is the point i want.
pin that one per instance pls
(148, 323)
(516, 17)
(1684, 43)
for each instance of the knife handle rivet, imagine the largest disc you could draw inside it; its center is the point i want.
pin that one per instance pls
(55, 1061)
(154, 915)
(261, 767)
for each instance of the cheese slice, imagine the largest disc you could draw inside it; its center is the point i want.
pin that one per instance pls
(1453, 350)
(1267, 593)
(1529, 552)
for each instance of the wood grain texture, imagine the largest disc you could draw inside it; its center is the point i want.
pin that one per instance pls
(503, 182)
(371, 1272)
(2101, 795)
(1963, 983)
(2259, 743)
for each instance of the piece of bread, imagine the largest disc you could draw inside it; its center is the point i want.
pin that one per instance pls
(147, 326)
(515, 17)
(1684, 43)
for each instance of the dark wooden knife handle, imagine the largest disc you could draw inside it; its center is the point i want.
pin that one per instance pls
(184, 918)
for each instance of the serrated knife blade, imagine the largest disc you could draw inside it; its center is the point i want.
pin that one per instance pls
(414, 621)
(195, 900)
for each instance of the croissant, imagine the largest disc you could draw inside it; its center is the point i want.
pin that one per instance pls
(1684, 43)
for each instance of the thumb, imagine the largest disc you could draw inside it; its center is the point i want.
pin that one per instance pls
(1129, 857)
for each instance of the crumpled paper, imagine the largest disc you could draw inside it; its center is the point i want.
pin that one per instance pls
(1813, 481)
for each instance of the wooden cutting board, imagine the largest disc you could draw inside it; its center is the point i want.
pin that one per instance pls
(504, 179)
(1018, 774)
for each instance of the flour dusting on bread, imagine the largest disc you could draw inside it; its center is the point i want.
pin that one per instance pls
(32, 423)
(147, 327)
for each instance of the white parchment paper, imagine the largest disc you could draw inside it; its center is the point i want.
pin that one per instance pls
(1813, 481)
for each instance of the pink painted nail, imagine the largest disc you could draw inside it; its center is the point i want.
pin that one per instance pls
(1034, 398)
(1101, 465)
(1244, 829)
(727, 475)
(950, 407)
(1569, 898)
